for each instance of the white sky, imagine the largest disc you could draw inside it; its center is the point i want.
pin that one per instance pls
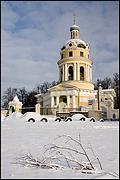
(33, 33)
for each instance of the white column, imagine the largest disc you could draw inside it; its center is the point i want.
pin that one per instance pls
(68, 101)
(78, 71)
(74, 71)
(57, 100)
(37, 108)
(66, 72)
(63, 73)
(52, 101)
(73, 101)
(91, 72)
(86, 73)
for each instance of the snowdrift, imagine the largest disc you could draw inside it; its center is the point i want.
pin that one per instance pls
(78, 116)
(81, 117)
(14, 115)
(31, 115)
(34, 117)
(2, 117)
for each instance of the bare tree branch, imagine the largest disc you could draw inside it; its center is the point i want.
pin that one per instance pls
(60, 156)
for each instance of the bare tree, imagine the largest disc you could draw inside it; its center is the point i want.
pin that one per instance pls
(22, 94)
(8, 96)
(106, 83)
(116, 88)
(115, 79)
(43, 88)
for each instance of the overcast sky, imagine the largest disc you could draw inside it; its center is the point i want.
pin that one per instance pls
(33, 33)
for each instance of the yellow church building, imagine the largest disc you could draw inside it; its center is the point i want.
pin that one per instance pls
(75, 91)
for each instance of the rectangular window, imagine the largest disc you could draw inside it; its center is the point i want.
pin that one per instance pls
(81, 54)
(88, 56)
(61, 56)
(70, 54)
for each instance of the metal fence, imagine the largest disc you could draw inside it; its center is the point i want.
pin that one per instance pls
(56, 111)
(104, 114)
(27, 109)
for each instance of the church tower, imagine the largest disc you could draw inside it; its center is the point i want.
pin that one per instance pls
(75, 63)
(75, 90)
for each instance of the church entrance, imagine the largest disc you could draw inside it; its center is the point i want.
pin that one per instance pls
(62, 103)
(12, 109)
(63, 99)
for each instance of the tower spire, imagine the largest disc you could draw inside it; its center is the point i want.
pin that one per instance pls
(74, 15)
(74, 29)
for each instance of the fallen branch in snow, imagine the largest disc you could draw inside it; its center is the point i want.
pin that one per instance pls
(29, 161)
(81, 146)
(70, 155)
(96, 157)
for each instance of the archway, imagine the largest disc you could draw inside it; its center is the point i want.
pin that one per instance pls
(114, 116)
(70, 73)
(63, 99)
(62, 103)
(61, 74)
(82, 73)
(12, 109)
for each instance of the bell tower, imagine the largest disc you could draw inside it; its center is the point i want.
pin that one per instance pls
(75, 63)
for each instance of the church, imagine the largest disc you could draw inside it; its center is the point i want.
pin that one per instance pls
(75, 90)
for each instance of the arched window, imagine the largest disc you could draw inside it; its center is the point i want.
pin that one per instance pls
(70, 73)
(61, 74)
(82, 73)
(76, 34)
(12, 109)
(73, 35)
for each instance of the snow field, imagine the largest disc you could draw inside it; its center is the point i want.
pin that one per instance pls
(20, 137)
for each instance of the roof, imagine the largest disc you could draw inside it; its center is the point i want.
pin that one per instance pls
(107, 91)
(16, 99)
(76, 43)
(74, 27)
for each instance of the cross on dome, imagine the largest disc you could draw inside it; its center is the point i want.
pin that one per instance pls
(74, 17)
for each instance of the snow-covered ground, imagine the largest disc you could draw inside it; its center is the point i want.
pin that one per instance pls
(19, 137)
